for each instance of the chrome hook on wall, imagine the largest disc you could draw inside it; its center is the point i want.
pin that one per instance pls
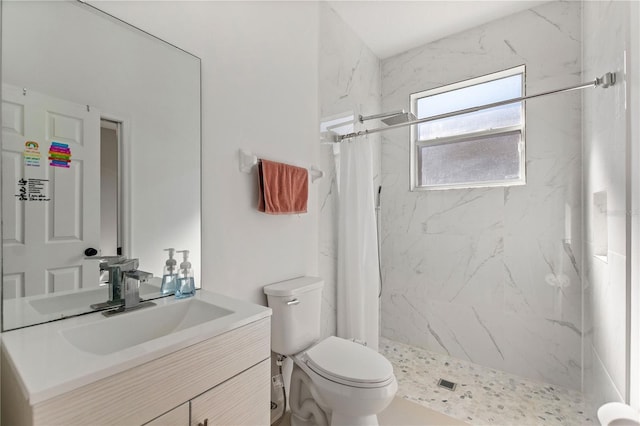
(607, 80)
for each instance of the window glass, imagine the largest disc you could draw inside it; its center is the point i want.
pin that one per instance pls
(486, 159)
(480, 148)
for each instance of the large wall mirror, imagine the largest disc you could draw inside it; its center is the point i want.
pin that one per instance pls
(100, 156)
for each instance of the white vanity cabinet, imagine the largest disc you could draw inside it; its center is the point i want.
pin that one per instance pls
(233, 402)
(223, 380)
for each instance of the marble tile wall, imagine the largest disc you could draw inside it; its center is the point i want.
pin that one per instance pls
(605, 35)
(492, 275)
(349, 84)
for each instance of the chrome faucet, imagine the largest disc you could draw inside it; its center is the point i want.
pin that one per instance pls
(105, 264)
(132, 280)
(124, 284)
(109, 265)
(117, 277)
(130, 289)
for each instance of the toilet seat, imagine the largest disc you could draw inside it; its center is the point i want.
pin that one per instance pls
(349, 363)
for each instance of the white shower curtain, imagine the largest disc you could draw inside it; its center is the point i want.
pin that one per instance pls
(358, 278)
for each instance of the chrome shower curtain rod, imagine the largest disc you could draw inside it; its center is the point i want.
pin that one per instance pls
(605, 81)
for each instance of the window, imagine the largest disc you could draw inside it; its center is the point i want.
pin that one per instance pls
(476, 149)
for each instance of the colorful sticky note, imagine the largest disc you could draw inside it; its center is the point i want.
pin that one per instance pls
(59, 155)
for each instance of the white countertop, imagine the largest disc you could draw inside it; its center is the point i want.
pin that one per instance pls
(48, 365)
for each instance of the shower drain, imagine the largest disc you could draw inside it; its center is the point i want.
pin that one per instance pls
(447, 384)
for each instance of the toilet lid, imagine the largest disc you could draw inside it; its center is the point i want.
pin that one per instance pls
(336, 358)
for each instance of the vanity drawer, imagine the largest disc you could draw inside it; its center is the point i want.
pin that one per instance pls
(241, 400)
(138, 395)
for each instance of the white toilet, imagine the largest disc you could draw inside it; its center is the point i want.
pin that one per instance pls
(334, 381)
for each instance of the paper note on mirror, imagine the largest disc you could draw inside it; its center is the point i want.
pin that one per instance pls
(31, 154)
(59, 155)
(32, 189)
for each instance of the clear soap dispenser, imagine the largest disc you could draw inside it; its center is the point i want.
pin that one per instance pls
(186, 286)
(169, 274)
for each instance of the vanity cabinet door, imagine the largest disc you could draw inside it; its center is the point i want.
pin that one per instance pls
(241, 400)
(179, 416)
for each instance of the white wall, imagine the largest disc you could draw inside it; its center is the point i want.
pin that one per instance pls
(349, 83)
(606, 150)
(259, 92)
(492, 275)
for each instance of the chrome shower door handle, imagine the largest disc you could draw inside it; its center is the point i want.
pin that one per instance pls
(292, 302)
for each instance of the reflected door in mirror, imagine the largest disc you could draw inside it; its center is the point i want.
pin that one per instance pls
(51, 193)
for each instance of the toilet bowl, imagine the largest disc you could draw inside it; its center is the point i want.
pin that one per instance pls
(353, 383)
(618, 414)
(334, 381)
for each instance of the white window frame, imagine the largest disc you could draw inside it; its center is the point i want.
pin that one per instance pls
(416, 144)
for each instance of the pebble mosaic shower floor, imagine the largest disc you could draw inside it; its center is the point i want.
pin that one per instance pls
(483, 396)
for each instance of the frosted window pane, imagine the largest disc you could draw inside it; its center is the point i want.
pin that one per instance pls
(486, 159)
(471, 96)
(467, 97)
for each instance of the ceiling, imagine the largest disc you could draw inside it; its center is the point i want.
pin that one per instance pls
(394, 26)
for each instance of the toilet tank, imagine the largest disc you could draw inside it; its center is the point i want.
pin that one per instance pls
(295, 321)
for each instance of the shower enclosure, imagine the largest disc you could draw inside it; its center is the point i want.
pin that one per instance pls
(534, 280)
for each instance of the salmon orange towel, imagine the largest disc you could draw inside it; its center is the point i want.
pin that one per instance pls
(282, 189)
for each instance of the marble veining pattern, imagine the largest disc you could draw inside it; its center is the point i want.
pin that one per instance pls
(492, 275)
(483, 396)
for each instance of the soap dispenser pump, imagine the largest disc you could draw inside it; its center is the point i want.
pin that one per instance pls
(169, 274)
(185, 285)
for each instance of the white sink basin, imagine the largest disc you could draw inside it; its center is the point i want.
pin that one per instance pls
(133, 328)
(61, 356)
